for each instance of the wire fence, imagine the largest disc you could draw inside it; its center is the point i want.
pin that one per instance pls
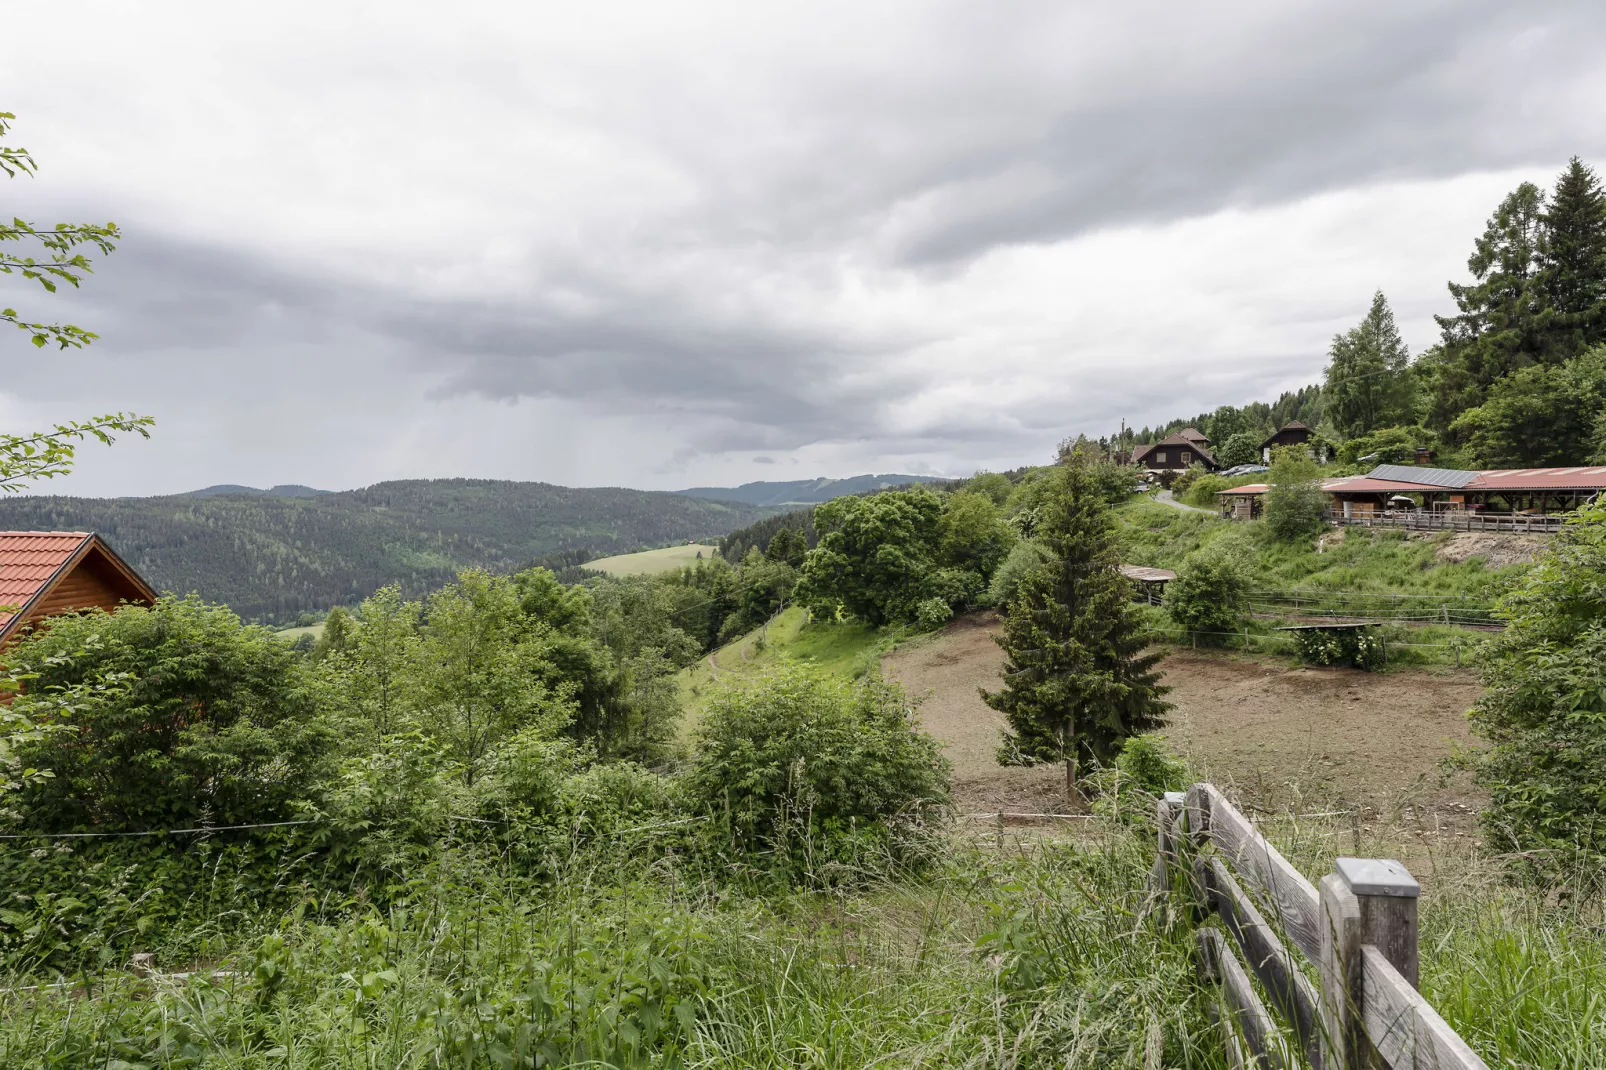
(1246, 641)
(1465, 611)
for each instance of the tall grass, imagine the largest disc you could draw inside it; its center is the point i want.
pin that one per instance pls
(1030, 951)
(1030, 954)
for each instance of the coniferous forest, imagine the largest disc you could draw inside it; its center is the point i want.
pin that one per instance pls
(272, 558)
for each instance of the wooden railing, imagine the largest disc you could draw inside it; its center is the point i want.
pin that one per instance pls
(1355, 1004)
(1456, 521)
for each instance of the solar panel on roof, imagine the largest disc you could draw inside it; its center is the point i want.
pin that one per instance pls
(1432, 477)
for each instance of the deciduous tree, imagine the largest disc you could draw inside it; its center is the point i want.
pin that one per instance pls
(50, 256)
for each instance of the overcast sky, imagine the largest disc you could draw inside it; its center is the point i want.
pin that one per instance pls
(666, 244)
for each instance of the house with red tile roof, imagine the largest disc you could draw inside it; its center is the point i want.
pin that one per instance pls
(47, 573)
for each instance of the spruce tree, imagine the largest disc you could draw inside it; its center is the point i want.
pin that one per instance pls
(1573, 275)
(1501, 319)
(1077, 681)
(1368, 380)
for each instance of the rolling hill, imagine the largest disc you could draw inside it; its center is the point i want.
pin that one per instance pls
(803, 491)
(271, 557)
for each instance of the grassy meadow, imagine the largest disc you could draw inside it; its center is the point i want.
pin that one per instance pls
(652, 562)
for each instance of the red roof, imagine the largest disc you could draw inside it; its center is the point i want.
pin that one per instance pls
(28, 561)
(35, 563)
(1541, 479)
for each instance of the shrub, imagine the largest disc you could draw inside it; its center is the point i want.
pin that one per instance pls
(1358, 647)
(956, 588)
(1185, 480)
(1241, 447)
(1211, 591)
(1544, 711)
(796, 762)
(1202, 491)
(213, 721)
(1295, 501)
(1023, 560)
(932, 613)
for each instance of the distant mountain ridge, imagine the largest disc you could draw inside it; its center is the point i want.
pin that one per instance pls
(767, 493)
(282, 490)
(272, 556)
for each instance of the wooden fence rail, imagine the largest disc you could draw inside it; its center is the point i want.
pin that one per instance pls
(1337, 964)
(1454, 521)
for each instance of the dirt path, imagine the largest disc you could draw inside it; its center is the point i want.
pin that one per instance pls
(1311, 738)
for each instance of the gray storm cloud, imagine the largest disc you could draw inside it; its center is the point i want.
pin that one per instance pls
(946, 234)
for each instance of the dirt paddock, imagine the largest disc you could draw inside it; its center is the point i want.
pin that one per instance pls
(1280, 736)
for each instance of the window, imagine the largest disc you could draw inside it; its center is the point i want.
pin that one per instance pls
(1159, 458)
(1186, 456)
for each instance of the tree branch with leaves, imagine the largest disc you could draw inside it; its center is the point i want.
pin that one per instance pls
(52, 256)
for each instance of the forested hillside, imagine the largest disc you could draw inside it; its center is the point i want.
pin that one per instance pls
(270, 558)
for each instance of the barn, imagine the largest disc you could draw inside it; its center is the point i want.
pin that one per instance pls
(46, 573)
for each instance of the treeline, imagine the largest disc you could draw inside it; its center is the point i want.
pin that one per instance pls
(272, 559)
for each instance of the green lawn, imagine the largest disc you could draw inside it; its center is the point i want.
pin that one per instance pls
(840, 649)
(290, 635)
(652, 562)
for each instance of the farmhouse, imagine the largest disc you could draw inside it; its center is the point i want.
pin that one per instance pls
(46, 573)
(1294, 433)
(1176, 453)
(1396, 495)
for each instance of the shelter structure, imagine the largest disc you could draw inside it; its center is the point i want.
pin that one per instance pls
(47, 573)
(1149, 582)
(1176, 452)
(1432, 498)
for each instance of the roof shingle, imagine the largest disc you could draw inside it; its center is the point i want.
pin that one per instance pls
(27, 561)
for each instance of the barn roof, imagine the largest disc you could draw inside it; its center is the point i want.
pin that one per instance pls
(1145, 574)
(32, 562)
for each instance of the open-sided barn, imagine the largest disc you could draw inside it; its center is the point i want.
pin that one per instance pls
(1443, 497)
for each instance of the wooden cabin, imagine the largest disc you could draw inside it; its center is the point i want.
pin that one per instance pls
(48, 573)
(1176, 453)
(1294, 433)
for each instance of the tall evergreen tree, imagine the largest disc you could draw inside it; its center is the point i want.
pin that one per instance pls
(1573, 275)
(1501, 314)
(1077, 682)
(1368, 379)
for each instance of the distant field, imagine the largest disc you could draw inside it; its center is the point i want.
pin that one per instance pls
(290, 635)
(651, 562)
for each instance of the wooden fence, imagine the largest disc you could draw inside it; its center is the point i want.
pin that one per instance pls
(1454, 521)
(1356, 1004)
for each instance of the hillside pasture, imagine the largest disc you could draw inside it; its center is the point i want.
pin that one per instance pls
(290, 635)
(652, 562)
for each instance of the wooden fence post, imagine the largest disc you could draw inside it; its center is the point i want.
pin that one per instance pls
(1366, 901)
(1388, 897)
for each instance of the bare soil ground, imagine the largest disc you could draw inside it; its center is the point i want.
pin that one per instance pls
(1278, 736)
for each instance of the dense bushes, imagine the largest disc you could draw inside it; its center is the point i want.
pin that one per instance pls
(1544, 711)
(798, 764)
(904, 557)
(175, 715)
(1211, 591)
(1295, 502)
